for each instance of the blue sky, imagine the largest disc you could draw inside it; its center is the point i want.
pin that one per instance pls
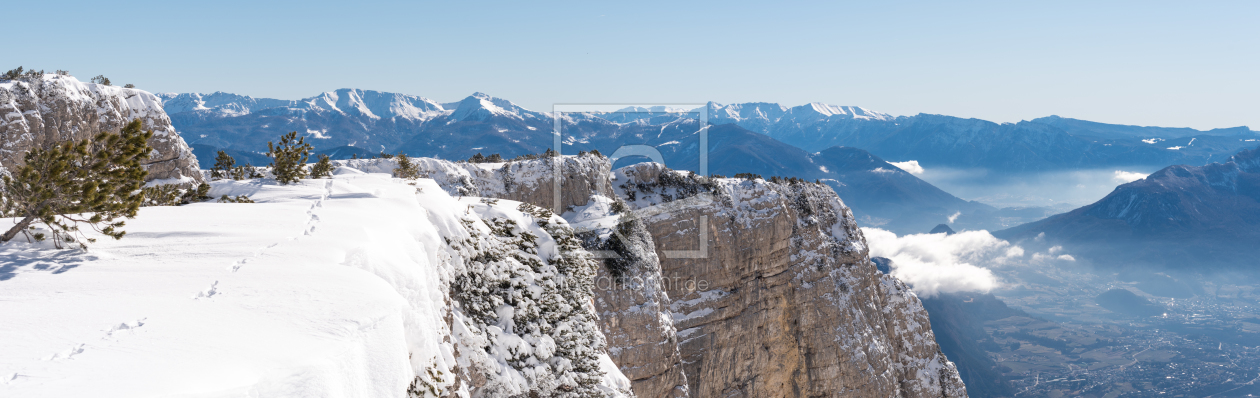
(1148, 63)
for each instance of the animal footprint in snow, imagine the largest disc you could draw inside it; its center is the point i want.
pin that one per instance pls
(237, 265)
(209, 292)
(125, 326)
(67, 354)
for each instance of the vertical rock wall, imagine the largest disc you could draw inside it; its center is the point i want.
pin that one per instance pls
(780, 300)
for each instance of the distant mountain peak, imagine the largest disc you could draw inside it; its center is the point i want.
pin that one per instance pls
(481, 106)
(942, 229)
(375, 104)
(844, 112)
(1247, 160)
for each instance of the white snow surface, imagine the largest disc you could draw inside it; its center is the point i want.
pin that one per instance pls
(329, 288)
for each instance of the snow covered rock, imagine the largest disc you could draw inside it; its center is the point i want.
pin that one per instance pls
(58, 108)
(633, 306)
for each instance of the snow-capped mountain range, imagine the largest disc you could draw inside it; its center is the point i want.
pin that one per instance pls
(374, 121)
(368, 103)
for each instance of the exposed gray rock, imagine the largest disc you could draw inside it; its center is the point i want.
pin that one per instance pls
(782, 300)
(56, 108)
(786, 301)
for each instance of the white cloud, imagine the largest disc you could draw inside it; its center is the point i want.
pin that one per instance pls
(911, 166)
(939, 263)
(1015, 251)
(1124, 177)
(881, 170)
(954, 217)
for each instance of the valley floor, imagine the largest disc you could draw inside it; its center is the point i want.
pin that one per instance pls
(1204, 345)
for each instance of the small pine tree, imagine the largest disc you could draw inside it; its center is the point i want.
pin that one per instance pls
(386, 155)
(223, 166)
(101, 79)
(201, 193)
(323, 168)
(406, 168)
(12, 74)
(94, 181)
(288, 159)
(129, 85)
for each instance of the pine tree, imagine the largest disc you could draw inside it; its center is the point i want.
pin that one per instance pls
(12, 74)
(101, 79)
(323, 168)
(288, 159)
(406, 168)
(93, 181)
(223, 164)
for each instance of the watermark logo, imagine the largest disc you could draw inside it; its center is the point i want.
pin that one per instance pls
(630, 112)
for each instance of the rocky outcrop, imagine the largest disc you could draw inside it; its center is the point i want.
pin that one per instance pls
(55, 108)
(632, 305)
(731, 287)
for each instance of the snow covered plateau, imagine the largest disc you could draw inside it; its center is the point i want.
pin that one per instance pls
(340, 287)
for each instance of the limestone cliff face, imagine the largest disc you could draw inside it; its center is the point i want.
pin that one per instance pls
(55, 108)
(731, 287)
(634, 311)
(786, 300)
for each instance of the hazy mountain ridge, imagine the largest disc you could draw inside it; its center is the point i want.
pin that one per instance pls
(1103, 130)
(1176, 217)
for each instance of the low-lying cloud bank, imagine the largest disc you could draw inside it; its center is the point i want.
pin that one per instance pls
(910, 166)
(938, 263)
(1125, 177)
